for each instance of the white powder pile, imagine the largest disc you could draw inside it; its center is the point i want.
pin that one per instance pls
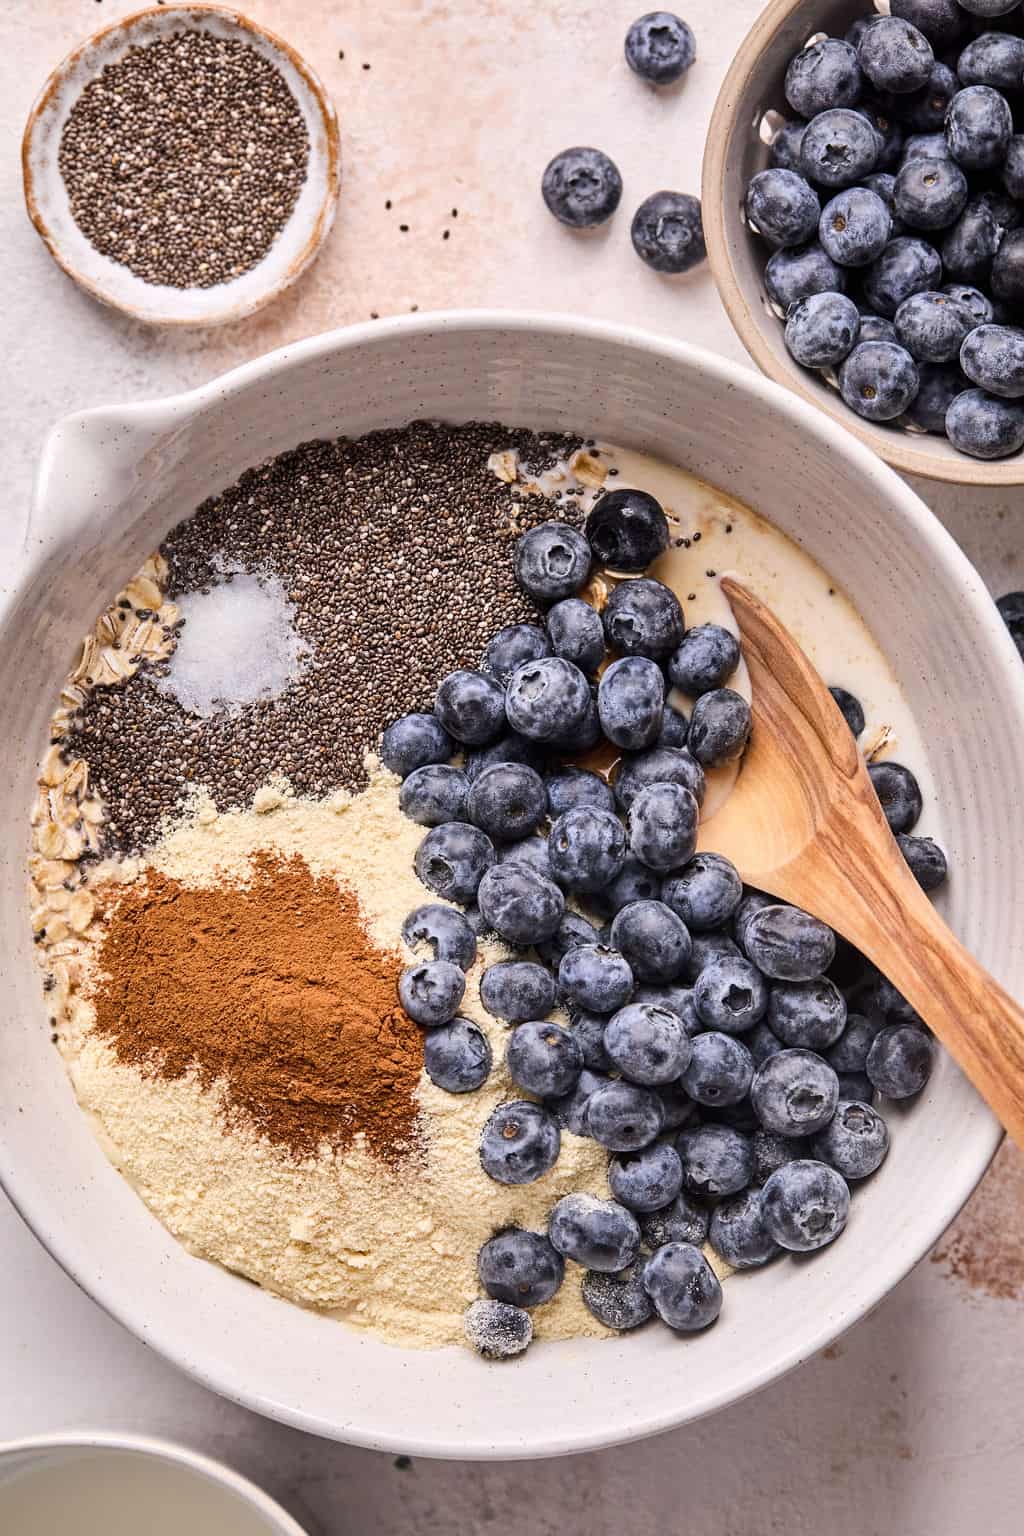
(239, 646)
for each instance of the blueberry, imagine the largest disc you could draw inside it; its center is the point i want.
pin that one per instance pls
(668, 233)
(899, 793)
(663, 825)
(989, 8)
(979, 126)
(993, 358)
(675, 727)
(647, 1044)
(434, 794)
(413, 741)
(679, 1108)
(880, 1002)
(513, 645)
(683, 1287)
(507, 801)
(706, 948)
(660, 47)
(930, 194)
(854, 1142)
(577, 634)
(895, 56)
(627, 531)
(595, 978)
(772, 1150)
(906, 266)
(794, 1093)
(618, 1301)
(544, 1058)
(496, 1330)
(587, 848)
(782, 207)
(706, 893)
(581, 187)
(984, 426)
(661, 765)
(889, 132)
(471, 707)
(825, 74)
(546, 699)
(856, 1087)
(792, 275)
(822, 329)
(630, 699)
(551, 562)
(786, 145)
(623, 1117)
(855, 227)
(1011, 611)
(720, 1069)
(970, 246)
(519, 1143)
(509, 748)
(520, 1267)
(994, 58)
(811, 1014)
(431, 992)
(517, 990)
(839, 147)
(762, 1043)
(730, 995)
(850, 1052)
(1008, 269)
(520, 904)
(457, 1056)
(677, 998)
(643, 618)
(572, 930)
(878, 380)
(600, 1234)
(876, 328)
(719, 727)
(925, 146)
(582, 735)
(738, 1233)
(452, 858)
(855, 31)
(806, 1205)
(684, 1221)
(925, 110)
(933, 326)
(530, 850)
(634, 882)
(444, 931)
(788, 944)
(883, 184)
(1004, 209)
(716, 1159)
(573, 789)
(942, 21)
(707, 655)
(750, 904)
(940, 385)
(851, 708)
(653, 939)
(570, 1109)
(1013, 166)
(900, 1060)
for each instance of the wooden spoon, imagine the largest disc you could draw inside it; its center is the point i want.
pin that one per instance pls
(803, 823)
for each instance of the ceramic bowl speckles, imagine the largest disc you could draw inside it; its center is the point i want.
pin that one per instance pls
(113, 481)
(46, 197)
(738, 146)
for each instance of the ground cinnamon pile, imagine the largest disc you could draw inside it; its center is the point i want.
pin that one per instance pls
(273, 988)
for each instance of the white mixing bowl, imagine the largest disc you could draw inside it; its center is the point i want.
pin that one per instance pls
(113, 481)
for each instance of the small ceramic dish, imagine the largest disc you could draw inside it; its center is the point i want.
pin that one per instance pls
(749, 110)
(49, 208)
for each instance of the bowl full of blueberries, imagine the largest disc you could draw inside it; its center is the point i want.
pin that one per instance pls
(864, 215)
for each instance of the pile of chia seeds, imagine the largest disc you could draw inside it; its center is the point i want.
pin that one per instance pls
(395, 550)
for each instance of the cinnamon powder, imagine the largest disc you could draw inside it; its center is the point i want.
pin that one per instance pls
(272, 989)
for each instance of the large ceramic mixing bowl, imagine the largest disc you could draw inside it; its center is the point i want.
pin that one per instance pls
(113, 481)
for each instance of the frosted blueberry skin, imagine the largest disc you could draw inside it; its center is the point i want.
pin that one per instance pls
(705, 893)
(595, 978)
(571, 789)
(551, 562)
(630, 702)
(851, 709)
(900, 1061)
(647, 1180)
(520, 1142)
(414, 741)
(647, 1044)
(994, 58)
(933, 327)
(939, 385)
(771, 1151)
(806, 1205)
(930, 194)
(434, 794)
(786, 943)
(569, 1110)
(827, 74)
(992, 357)
(431, 992)
(899, 794)
(719, 727)
(738, 1232)
(599, 1234)
(471, 707)
(582, 187)
(794, 1093)
(925, 859)
(979, 126)
(730, 995)
(660, 765)
(517, 990)
(451, 860)
(925, 110)
(576, 633)
(855, 226)
(895, 56)
(457, 1056)
(634, 882)
(785, 152)
(618, 1301)
(668, 232)
(685, 1220)
(624, 1117)
(942, 21)
(839, 147)
(720, 1070)
(683, 1287)
(660, 47)
(511, 646)
(1008, 269)
(822, 330)
(547, 700)
(855, 1141)
(508, 801)
(520, 1267)
(653, 938)
(444, 931)
(810, 1014)
(496, 1330)
(1012, 173)
(520, 904)
(906, 266)
(706, 658)
(1011, 611)
(627, 531)
(531, 850)
(587, 848)
(643, 618)
(879, 380)
(663, 826)
(969, 249)
(793, 274)
(782, 207)
(509, 748)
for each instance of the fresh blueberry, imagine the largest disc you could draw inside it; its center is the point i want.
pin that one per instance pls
(1011, 611)
(933, 326)
(471, 707)
(707, 655)
(679, 1108)
(706, 893)
(660, 47)
(762, 1043)
(683, 1287)
(889, 132)
(854, 1142)
(899, 793)
(677, 998)
(413, 741)
(825, 74)
(979, 126)
(720, 1069)
(684, 1221)
(618, 1301)
(985, 426)
(1004, 209)
(794, 1093)
(750, 904)
(520, 1267)
(507, 801)
(509, 748)
(595, 978)
(668, 233)
(520, 904)
(431, 992)
(738, 1233)
(551, 562)
(648, 1180)
(993, 358)
(519, 1143)
(782, 207)
(647, 1044)
(517, 990)
(1008, 269)
(811, 1014)
(452, 858)
(716, 1159)
(856, 1087)
(987, 9)
(627, 531)
(581, 187)
(895, 56)
(582, 735)
(851, 708)
(630, 700)
(719, 727)
(531, 850)
(855, 227)
(576, 633)
(544, 1058)
(457, 1056)
(623, 1117)
(653, 939)
(839, 147)
(570, 1109)
(786, 145)
(942, 21)
(879, 380)
(772, 1150)
(806, 1205)
(900, 1060)
(706, 948)
(906, 266)
(571, 931)
(926, 860)
(925, 110)
(573, 789)
(850, 1052)
(661, 765)
(513, 645)
(822, 329)
(792, 275)
(930, 194)
(940, 385)
(434, 794)
(786, 943)
(730, 995)
(880, 1002)
(587, 848)
(876, 328)
(444, 931)
(546, 699)
(994, 58)
(883, 184)
(1013, 166)
(675, 728)
(925, 146)
(600, 1234)
(663, 825)
(970, 246)
(634, 882)
(643, 618)
(496, 1330)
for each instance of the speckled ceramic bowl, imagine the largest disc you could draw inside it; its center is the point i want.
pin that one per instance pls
(113, 481)
(46, 197)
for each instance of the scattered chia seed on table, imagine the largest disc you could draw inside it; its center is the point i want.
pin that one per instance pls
(395, 550)
(184, 159)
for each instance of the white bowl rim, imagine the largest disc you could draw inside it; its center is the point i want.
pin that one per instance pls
(891, 1266)
(152, 1446)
